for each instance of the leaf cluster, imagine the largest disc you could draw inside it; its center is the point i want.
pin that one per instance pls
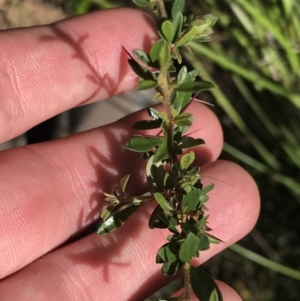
(174, 181)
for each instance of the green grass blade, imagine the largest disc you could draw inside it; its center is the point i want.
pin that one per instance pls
(225, 62)
(235, 117)
(276, 32)
(290, 183)
(265, 262)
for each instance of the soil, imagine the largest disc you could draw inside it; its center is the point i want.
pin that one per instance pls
(22, 13)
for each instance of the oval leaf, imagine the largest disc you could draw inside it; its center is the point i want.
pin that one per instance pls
(164, 204)
(152, 113)
(182, 74)
(177, 25)
(155, 50)
(147, 124)
(186, 160)
(204, 286)
(184, 119)
(177, 7)
(164, 57)
(146, 84)
(189, 247)
(117, 219)
(186, 37)
(187, 142)
(204, 241)
(162, 150)
(141, 55)
(168, 30)
(140, 70)
(142, 144)
(191, 200)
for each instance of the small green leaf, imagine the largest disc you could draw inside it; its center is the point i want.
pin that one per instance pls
(193, 74)
(186, 160)
(163, 116)
(167, 253)
(158, 177)
(162, 151)
(203, 241)
(117, 219)
(157, 219)
(142, 56)
(196, 86)
(191, 200)
(171, 269)
(204, 25)
(213, 239)
(142, 3)
(152, 113)
(189, 247)
(204, 197)
(182, 100)
(188, 142)
(189, 182)
(190, 226)
(168, 30)
(147, 124)
(153, 184)
(146, 84)
(184, 119)
(164, 204)
(149, 166)
(186, 37)
(164, 56)
(210, 20)
(182, 74)
(207, 188)
(177, 25)
(203, 285)
(177, 8)
(174, 112)
(142, 144)
(155, 50)
(140, 70)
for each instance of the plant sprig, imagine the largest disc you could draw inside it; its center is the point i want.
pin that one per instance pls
(174, 182)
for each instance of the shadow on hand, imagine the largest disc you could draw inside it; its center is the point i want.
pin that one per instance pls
(111, 162)
(102, 81)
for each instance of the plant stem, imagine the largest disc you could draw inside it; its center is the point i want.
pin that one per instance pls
(187, 280)
(162, 9)
(163, 80)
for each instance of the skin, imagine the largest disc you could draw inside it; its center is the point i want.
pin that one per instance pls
(51, 191)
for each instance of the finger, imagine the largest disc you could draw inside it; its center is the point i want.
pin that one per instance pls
(228, 293)
(121, 265)
(46, 70)
(52, 190)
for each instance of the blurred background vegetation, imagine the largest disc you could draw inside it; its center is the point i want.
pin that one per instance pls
(254, 59)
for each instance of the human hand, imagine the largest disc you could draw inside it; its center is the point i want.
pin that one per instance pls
(51, 191)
